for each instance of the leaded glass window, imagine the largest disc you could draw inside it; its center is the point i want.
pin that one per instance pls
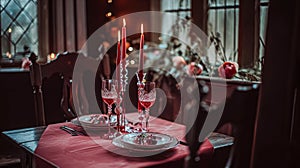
(19, 26)
(223, 21)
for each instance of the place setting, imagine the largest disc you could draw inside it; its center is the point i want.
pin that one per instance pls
(133, 137)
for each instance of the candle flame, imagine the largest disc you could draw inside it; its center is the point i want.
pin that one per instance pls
(142, 28)
(8, 54)
(119, 35)
(9, 30)
(52, 56)
(124, 22)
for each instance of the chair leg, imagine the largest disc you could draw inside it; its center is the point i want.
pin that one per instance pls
(26, 161)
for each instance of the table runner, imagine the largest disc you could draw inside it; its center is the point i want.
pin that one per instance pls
(66, 151)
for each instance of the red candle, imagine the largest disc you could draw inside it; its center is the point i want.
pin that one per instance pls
(141, 60)
(123, 51)
(118, 61)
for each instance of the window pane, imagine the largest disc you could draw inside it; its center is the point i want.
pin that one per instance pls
(12, 9)
(174, 6)
(223, 2)
(23, 20)
(223, 16)
(18, 26)
(21, 3)
(5, 21)
(218, 24)
(263, 27)
(31, 9)
(262, 1)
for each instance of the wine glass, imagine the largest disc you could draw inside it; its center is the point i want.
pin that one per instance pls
(109, 96)
(147, 98)
(140, 82)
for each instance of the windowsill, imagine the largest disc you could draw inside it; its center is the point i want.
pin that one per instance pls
(228, 81)
(12, 70)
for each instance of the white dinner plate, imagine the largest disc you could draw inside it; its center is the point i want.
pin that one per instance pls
(86, 122)
(145, 151)
(148, 140)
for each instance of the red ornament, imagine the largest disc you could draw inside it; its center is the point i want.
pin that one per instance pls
(194, 69)
(26, 63)
(228, 70)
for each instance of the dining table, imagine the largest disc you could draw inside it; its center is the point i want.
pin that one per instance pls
(51, 146)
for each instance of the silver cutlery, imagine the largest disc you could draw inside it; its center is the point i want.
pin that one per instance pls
(72, 131)
(68, 131)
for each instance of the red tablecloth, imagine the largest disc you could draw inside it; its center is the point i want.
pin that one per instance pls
(66, 151)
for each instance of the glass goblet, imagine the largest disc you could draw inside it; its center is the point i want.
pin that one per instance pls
(109, 96)
(147, 98)
(140, 80)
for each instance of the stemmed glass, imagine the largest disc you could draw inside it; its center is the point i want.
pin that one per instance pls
(109, 96)
(140, 82)
(147, 98)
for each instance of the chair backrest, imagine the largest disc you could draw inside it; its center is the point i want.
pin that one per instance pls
(195, 111)
(240, 111)
(238, 119)
(238, 107)
(52, 86)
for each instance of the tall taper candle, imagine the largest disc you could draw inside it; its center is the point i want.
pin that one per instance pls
(123, 50)
(141, 58)
(118, 61)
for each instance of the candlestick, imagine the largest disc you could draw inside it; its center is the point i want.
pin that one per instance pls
(123, 74)
(118, 76)
(141, 57)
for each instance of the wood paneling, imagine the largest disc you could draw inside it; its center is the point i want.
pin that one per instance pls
(273, 142)
(80, 23)
(200, 13)
(64, 21)
(248, 33)
(59, 45)
(43, 28)
(70, 25)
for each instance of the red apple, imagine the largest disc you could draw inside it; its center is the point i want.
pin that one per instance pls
(228, 70)
(194, 69)
(26, 63)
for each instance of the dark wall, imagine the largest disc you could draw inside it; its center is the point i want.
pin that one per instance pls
(276, 139)
(96, 11)
(16, 100)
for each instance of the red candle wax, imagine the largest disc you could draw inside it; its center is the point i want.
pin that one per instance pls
(123, 50)
(118, 61)
(141, 57)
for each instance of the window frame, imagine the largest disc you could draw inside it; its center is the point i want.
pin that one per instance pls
(249, 21)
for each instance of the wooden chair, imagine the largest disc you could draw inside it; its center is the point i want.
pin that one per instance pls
(239, 111)
(52, 87)
(197, 112)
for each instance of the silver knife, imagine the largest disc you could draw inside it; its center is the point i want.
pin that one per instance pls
(68, 131)
(73, 130)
